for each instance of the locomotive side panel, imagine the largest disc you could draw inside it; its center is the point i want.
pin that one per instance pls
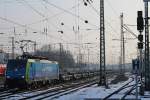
(42, 71)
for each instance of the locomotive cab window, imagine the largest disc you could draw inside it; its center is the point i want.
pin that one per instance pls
(12, 64)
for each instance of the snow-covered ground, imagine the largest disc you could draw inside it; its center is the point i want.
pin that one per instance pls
(93, 92)
(89, 93)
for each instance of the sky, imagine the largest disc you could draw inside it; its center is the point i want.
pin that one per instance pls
(31, 18)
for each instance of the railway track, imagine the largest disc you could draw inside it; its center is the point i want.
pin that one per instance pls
(51, 96)
(60, 91)
(36, 94)
(21, 94)
(124, 90)
(49, 92)
(7, 92)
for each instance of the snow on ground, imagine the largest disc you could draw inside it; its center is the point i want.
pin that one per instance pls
(146, 96)
(92, 92)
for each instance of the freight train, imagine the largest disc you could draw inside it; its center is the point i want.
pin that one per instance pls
(36, 71)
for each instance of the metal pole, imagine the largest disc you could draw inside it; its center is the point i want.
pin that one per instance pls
(35, 46)
(88, 58)
(13, 47)
(141, 72)
(122, 46)
(60, 53)
(147, 67)
(136, 82)
(141, 63)
(102, 81)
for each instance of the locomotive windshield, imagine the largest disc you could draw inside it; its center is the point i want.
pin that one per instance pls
(13, 64)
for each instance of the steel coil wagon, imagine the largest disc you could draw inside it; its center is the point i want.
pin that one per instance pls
(31, 72)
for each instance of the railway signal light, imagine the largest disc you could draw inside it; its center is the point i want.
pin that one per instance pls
(140, 45)
(140, 21)
(135, 65)
(140, 38)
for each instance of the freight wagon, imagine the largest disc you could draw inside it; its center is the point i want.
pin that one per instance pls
(29, 72)
(2, 69)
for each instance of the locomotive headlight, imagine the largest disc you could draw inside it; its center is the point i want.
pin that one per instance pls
(22, 76)
(7, 76)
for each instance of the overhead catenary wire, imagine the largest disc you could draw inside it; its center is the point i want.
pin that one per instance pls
(125, 26)
(55, 15)
(131, 25)
(98, 13)
(112, 8)
(56, 26)
(128, 29)
(82, 19)
(39, 13)
(49, 18)
(42, 15)
(108, 23)
(13, 22)
(30, 6)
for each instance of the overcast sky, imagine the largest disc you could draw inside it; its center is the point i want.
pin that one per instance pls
(30, 16)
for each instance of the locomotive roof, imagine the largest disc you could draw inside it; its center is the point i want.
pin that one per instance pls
(42, 61)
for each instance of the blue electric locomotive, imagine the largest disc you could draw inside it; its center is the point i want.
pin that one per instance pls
(28, 72)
